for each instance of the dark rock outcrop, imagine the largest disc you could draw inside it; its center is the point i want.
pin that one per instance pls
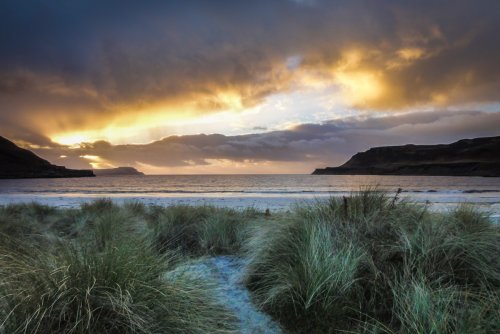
(119, 171)
(466, 157)
(18, 163)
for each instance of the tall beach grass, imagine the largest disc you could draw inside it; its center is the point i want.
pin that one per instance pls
(365, 263)
(108, 280)
(373, 263)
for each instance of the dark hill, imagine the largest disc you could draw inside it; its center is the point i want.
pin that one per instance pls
(119, 171)
(18, 163)
(466, 157)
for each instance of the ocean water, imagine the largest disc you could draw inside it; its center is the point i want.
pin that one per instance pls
(275, 192)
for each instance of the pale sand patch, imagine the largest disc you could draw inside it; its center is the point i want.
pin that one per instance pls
(227, 272)
(274, 203)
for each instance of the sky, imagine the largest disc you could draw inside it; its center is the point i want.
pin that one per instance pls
(261, 86)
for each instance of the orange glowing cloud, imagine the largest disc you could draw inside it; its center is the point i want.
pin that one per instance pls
(148, 71)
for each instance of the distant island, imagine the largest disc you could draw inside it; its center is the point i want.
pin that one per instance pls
(119, 171)
(466, 157)
(18, 163)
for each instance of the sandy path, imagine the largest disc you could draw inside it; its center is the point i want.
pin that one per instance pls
(227, 272)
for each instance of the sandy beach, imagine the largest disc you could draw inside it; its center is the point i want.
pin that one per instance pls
(275, 203)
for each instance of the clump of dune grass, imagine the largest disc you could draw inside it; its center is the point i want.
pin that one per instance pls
(374, 263)
(135, 208)
(200, 230)
(30, 221)
(26, 218)
(98, 206)
(300, 284)
(111, 281)
(190, 230)
(365, 263)
(423, 306)
(459, 247)
(35, 221)
(177, 228)
(225, 230)
(222, 233)
(14, 224)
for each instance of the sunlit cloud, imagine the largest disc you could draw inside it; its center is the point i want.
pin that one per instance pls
(410, 53)
(360, 88)
(298, 149)
(133, 73)
(96, 161)
(71, 139)
(144, 129)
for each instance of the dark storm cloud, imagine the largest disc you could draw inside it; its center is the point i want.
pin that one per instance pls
(317, 145)
(75, 60)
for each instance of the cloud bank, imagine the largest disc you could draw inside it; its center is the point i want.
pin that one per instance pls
(67, 66)
(299, 149)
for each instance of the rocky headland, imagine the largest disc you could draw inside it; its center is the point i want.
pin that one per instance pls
(466, 157)
(19, 163)
(119, 171)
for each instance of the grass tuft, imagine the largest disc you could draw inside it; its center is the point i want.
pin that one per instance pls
(365, 263)
(102, 284)
(201, 230)
(222, 232)
(374, 263)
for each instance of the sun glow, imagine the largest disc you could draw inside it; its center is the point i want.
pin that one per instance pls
(360, 87)
(143, 124)
(145, 129)
(97, 162)
(230, 100)
(70, 139)
(90, 157)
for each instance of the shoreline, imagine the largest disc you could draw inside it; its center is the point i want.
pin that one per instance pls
(274, 202)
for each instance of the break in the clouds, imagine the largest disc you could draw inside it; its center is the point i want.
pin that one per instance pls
(138, 71)
(299, 149)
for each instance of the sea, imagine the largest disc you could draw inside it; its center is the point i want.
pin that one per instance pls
(274, 192)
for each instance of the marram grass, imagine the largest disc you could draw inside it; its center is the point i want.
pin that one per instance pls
(201, 230)
(110, 281)
(371, 263)
(365, 263)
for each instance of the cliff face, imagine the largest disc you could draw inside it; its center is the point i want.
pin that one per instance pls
(119, 171)
(18, 163)
(467, 157)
